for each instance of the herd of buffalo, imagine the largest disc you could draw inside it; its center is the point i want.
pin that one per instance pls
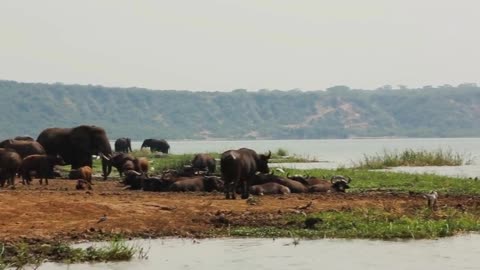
(242, 171)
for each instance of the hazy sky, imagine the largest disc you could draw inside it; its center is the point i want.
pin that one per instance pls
(224, 45)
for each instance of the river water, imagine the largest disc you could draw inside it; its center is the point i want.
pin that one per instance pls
(458, 253)
(343, 152)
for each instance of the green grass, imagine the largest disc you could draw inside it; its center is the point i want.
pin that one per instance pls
(371, 223)
(281, 152)
(411, 157)
(159, 163)
(22, 254)
(366, 180)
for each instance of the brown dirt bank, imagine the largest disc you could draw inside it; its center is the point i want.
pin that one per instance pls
(59, 212)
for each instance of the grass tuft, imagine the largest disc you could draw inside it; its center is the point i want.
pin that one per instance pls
(22, 254)
(411, 157)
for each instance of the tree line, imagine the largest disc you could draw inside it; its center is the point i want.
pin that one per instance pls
(338, 112)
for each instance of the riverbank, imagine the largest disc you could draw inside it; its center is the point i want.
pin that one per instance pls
(60, 213)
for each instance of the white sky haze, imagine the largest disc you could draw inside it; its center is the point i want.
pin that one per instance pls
(223, 45)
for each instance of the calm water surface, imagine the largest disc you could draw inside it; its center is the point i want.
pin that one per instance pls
(459, 252)
(334, 153)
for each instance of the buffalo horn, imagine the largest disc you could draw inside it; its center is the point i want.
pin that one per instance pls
(134, 172)
(269, 154)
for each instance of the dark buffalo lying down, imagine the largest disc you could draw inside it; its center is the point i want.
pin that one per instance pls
(136, 180)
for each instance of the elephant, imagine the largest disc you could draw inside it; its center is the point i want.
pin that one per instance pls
(24, 148)
(156, 145)
(123, 145)
(41, 164)
(10, 162)
(77, 145)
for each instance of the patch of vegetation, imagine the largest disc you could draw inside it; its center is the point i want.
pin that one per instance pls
(366, 180)
(371, 224)
(20, 255)
(281, 152)
(411, 157)
(159, 162)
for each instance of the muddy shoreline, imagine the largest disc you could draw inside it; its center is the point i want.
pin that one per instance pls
(58, 212)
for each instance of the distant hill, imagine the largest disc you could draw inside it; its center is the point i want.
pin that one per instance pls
(338, 112)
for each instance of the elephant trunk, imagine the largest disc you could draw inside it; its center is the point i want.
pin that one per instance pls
(106, 166)
(106, 154)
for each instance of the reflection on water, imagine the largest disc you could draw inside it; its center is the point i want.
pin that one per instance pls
(450, 253)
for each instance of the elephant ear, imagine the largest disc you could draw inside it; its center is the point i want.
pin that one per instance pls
(81, 138)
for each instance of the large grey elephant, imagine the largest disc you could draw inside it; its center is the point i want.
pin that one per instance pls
(77, 145)
(23, 148)
(156, 145)
(123, 145)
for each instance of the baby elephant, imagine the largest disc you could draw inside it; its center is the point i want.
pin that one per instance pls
(10, 161)
(198, 183)
(42, 164)
(84, 173)
(269, 188)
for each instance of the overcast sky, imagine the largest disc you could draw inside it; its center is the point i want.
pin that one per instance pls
(224, 45)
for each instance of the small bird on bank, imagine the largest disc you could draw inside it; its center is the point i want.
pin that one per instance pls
(102, 219)
(432, 198)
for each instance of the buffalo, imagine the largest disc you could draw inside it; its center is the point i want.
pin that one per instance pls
(295, 186)
(204, 162)
(117, 161)
(24, 138)
(238, 167)
(198, 183)
(337, 183)
(269, 188)
(84, 173)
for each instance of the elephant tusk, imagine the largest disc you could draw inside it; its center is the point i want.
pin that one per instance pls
(104, 157)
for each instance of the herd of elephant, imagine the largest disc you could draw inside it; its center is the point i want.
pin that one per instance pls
(242, 171)
(59, 146)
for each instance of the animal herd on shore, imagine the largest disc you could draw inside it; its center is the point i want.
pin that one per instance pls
(242, 171)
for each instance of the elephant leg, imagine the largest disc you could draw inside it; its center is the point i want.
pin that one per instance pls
(228, 187)
(244, 190)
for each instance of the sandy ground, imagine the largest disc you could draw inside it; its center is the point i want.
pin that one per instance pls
(59, 212)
